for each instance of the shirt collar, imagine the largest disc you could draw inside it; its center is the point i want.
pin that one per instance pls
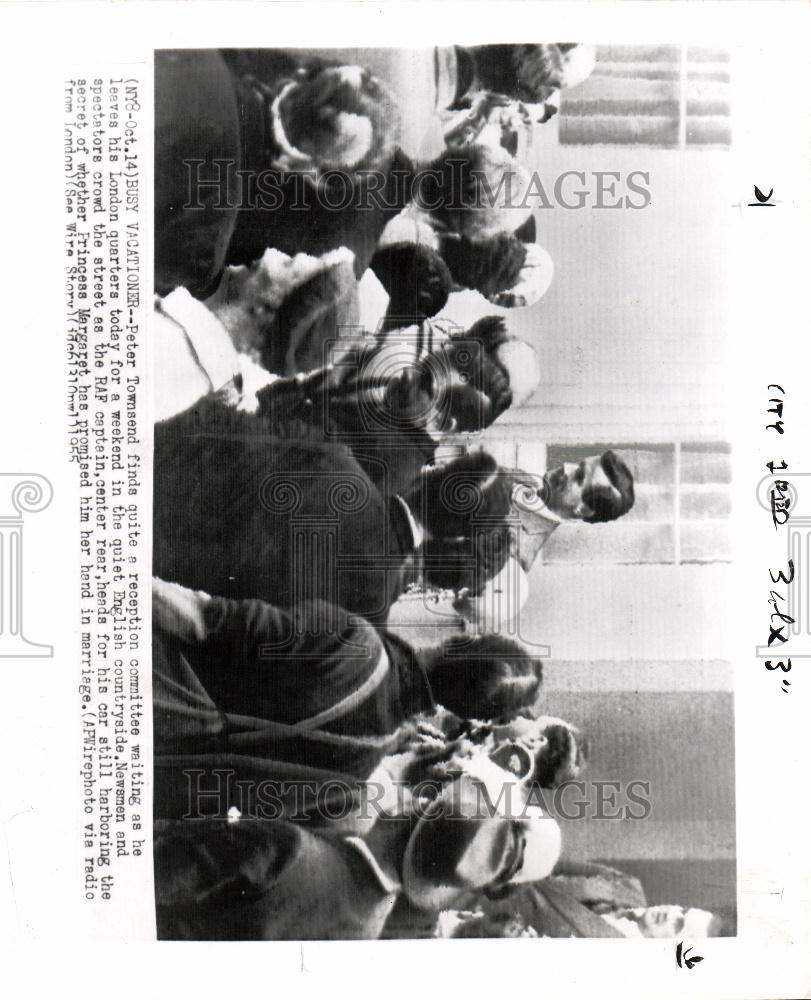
(550, 516)
(417, 532)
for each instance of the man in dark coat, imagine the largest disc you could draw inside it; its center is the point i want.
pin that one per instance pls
(244, 510)
(488, 565)
(275, 817)
(277, 880)
(298, 704)
(224, 183)
(249, 508)
(312, 696)
(273, 881)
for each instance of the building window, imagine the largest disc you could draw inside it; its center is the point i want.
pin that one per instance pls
(681, 514)
(668, 96)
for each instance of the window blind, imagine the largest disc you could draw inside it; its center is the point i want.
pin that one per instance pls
(670, 96)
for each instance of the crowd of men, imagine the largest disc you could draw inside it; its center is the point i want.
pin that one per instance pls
(318, 773)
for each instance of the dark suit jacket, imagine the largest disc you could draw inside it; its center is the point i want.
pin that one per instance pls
(216, 881)
(309, 699)
(242, 512)
(312, 226)
(328, 407)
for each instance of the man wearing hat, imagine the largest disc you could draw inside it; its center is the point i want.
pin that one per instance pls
(277, 880)
(270, 698)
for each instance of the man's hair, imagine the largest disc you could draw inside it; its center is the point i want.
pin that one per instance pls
(523, 72)
(477, 191)
(469, 563)
(486, 392)
(562, 757)
(507, 372)
(417, 280)
(602, 501)
(488, 677)
(465, 506)
(488, 266)
(528, 73)
(451, 496)
(527, 231)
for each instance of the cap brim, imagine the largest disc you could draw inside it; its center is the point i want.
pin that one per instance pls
(542, 847)
(481, 848)
(444, 858)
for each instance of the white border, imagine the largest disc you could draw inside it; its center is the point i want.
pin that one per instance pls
(770, 332)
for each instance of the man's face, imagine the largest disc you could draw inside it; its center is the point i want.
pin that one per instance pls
(541, 740)
(567, 483)
(669, 921)
(530, 732)
(262, 287)
(248, 299)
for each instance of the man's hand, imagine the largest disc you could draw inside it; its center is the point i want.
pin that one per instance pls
(178, 611)
(463, 604)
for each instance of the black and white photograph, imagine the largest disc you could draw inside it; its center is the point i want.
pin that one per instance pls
(405, 498)
(442, 493)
